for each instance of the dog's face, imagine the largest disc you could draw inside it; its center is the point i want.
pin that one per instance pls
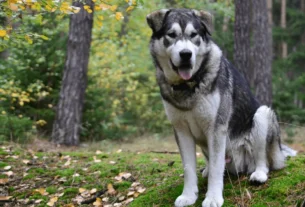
(179, 40)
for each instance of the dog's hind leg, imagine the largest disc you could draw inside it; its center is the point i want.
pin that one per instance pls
(187, 149)
(259, 134)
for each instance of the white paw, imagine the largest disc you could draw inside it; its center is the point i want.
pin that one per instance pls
(211, 201)
(258, 176)
(205, 172)
(185, 200)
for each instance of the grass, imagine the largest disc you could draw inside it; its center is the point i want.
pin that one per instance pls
(63, 174)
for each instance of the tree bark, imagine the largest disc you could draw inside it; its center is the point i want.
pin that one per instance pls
(67, 124)
(262, 52)
(283, 26)
(270, 21)
(303, 10)
(242, 33)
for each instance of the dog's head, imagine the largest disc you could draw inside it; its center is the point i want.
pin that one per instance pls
(179, 40)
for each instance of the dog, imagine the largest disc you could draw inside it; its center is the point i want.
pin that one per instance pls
(209, 103)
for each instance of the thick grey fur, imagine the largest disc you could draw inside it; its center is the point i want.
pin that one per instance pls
(235, 132)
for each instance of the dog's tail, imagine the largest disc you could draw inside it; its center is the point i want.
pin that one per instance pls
(287, 151)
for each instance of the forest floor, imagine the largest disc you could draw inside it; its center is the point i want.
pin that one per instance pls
(139, 173)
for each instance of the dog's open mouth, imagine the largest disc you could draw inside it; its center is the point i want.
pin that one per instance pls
(184, 71)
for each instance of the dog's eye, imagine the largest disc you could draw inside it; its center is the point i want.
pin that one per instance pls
(194, 34)
(172, 35)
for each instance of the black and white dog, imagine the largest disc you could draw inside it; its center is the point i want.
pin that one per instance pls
(210, 104)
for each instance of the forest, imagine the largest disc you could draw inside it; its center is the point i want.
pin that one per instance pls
(79, 73)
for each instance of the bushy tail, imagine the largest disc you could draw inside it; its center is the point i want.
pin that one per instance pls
(287, 151)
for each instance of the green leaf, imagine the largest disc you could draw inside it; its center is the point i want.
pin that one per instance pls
(44, 37)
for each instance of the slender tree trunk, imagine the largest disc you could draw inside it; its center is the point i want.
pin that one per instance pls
(262, 52)
(303, 10)
(270, 21)
(283, 26)
(242, 34)
(67, 124)
(301, 105)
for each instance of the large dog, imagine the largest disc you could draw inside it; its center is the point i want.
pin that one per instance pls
(210, 104)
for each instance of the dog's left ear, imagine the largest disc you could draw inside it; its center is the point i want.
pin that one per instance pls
(155, 19)
(206, 19)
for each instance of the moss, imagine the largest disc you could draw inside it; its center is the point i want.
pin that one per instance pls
(52, 189)
(3, 164)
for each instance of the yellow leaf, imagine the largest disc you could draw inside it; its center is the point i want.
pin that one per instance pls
(113, 8)
(41, 191)
(2, 33)
(52, 201)
(100, 24)
(111, 190)
(81, 190)
(98, 202)
(129, 8)
(86, 7)
(97, 8)
(27, 37)
(89, 11)
(119, 16)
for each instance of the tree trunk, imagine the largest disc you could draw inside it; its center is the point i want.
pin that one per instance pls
(303, 10)
(67, 124)
(242, 44)
(262, 52)
(270, 21)
(283, 26)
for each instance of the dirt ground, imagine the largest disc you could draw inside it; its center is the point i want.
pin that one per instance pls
(291, 135)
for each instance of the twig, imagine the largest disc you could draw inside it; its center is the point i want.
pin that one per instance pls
(164, 152)
(91, 200)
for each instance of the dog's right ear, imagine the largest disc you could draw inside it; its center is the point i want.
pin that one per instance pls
(155, 19)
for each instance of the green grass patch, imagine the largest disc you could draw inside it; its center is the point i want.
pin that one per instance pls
(160, 174)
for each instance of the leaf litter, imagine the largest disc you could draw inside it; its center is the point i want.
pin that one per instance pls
(45, 179)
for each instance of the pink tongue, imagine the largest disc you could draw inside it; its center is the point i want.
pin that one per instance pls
(185, 74)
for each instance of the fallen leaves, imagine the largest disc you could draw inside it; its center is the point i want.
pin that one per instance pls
(9, 173)
(111, 190)
(52, 201)
(5, 198)
(122, 176)
(7, 167)
(41, 191)
(98, 202)
(3, 181)
(43, 179)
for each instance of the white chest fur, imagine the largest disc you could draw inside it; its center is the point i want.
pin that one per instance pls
(199, 119)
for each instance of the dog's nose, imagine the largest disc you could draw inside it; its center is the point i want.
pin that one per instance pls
(185, 54)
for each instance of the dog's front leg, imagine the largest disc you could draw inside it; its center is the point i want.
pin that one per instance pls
(216, 148)
(187, 149)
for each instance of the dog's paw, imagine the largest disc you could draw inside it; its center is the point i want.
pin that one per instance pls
(205, 172)
(185, 200)
(211, 201)
(258, 177)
